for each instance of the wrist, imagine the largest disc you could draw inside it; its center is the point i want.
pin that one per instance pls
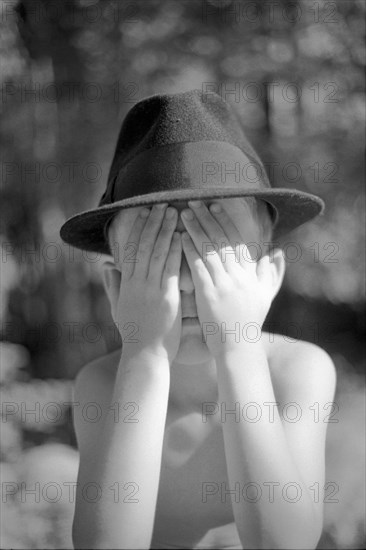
(146, 356)
(145, 370)
(242, 350)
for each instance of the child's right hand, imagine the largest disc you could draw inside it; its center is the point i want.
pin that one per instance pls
(146, 290)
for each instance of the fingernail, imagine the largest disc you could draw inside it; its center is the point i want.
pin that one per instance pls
(187, 214)
(170, 213)
(195, 204)
(144, 212)
(160, 206)
(215, 207)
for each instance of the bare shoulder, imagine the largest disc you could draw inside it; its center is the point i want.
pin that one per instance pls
(92, 393)
(300, 367)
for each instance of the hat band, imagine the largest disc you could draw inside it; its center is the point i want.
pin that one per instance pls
(188, 165)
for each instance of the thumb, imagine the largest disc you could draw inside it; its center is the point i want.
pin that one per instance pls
(263, 270)
(112, 284)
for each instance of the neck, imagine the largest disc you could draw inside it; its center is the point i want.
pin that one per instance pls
(193, 385)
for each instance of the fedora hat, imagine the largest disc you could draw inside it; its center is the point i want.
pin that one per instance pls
(180, 147)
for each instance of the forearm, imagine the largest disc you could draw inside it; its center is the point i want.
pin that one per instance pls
(127, 462)
(257, 452)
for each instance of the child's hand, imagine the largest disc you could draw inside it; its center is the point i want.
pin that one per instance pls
(148, 305)
(232, 291)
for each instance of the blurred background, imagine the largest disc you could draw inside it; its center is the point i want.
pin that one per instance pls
(294, 71)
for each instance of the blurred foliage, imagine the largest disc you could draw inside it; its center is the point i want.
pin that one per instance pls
(70, 72)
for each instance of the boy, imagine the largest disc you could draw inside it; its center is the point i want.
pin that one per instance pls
(207, 437)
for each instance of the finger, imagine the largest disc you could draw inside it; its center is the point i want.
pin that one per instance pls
(216, 233)
(201, 277)
(128, 256)
(162, 245)
(147, 240)
(242, 253)
(204, 247)
(221, 217)
(170, 278)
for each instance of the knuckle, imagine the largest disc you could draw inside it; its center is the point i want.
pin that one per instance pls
(143, 249)
(157, 256)
(165, 229)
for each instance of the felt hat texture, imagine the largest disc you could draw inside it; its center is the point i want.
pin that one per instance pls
(180, 147)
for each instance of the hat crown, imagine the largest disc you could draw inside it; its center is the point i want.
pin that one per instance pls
(187, 117)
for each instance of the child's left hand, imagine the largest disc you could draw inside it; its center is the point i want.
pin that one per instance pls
(230, 287)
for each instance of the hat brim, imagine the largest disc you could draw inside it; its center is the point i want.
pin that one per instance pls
(293, 208)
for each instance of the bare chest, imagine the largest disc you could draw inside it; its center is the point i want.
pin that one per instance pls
(194, 508)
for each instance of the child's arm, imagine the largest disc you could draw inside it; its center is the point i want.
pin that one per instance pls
(283, 452)
(233, 298)
(123, 457)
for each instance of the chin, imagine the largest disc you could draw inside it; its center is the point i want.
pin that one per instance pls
(192, 349)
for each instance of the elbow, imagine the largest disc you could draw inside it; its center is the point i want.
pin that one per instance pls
(290, 541)
(298, 541)
(309, 527)
(301, 531)
(304, 535)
